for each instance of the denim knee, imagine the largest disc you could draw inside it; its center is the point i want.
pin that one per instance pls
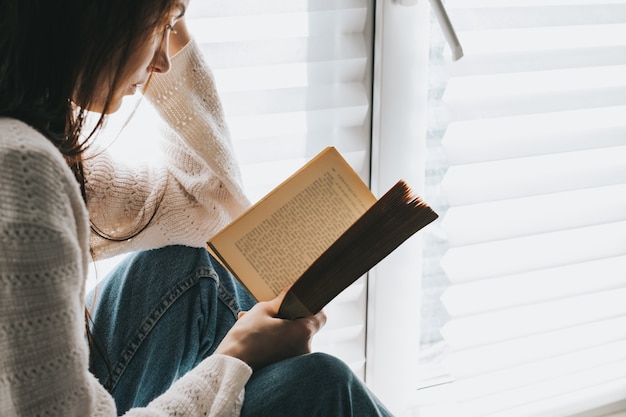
(316, 384)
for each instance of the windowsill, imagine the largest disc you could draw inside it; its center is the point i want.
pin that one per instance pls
(434, 401)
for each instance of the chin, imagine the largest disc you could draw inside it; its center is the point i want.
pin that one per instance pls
(114, 106)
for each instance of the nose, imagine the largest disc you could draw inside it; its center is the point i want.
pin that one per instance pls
(161, 62)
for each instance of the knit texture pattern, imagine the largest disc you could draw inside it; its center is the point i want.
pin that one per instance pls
(199, 189)
(44, 250)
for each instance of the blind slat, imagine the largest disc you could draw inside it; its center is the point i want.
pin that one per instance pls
(278, 26)
(297, 122)
(294, 145)
(337, 47)
(481, 222)
(468, 16)
(535, 286)
(291, 100)
(590, 400)
(547, 391)
(291, 75)
(454, 4)
(510, 323)
(499, 95)
(535, 134)
(575, 40)
(521, 177)
(529, 374)
(488, 358)
(217, 8)
(511, 256)
(537, 83)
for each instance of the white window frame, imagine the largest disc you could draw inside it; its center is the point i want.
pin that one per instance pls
(398, 144)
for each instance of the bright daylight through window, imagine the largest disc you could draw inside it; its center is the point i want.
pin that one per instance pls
(524, 277)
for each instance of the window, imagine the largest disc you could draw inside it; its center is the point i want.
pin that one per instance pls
(526, 162)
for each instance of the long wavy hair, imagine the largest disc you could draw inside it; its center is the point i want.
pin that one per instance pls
(55, 56)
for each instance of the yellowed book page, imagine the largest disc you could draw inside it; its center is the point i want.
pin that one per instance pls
(273, 243)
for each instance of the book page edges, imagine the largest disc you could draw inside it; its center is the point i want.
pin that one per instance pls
(346, 260)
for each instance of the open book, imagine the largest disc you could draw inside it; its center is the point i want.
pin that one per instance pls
(318, 232)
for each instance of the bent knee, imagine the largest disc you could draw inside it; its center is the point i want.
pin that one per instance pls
(332, 368)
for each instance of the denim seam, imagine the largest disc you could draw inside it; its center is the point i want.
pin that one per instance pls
(151, 321)
(228, 299)
(225, 296)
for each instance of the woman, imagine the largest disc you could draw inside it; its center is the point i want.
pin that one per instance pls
(166, 333)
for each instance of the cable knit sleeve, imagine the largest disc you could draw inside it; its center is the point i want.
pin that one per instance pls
(43, 263)
(195, 193)
(44, 255)
(213, 388)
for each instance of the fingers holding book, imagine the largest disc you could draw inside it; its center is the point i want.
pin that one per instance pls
(260, 338)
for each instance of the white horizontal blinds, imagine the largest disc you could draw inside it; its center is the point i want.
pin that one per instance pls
(295, 77)
(536, 218)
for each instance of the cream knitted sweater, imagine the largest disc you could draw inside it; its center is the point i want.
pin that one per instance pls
(44, 249)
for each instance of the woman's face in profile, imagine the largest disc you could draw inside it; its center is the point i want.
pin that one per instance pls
(150, 55)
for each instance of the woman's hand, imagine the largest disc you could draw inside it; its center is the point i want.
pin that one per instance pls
(259, 338)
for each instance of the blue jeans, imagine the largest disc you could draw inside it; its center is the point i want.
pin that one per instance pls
(161, 312)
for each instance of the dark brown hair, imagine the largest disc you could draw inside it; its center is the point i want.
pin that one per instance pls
(54, 53)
